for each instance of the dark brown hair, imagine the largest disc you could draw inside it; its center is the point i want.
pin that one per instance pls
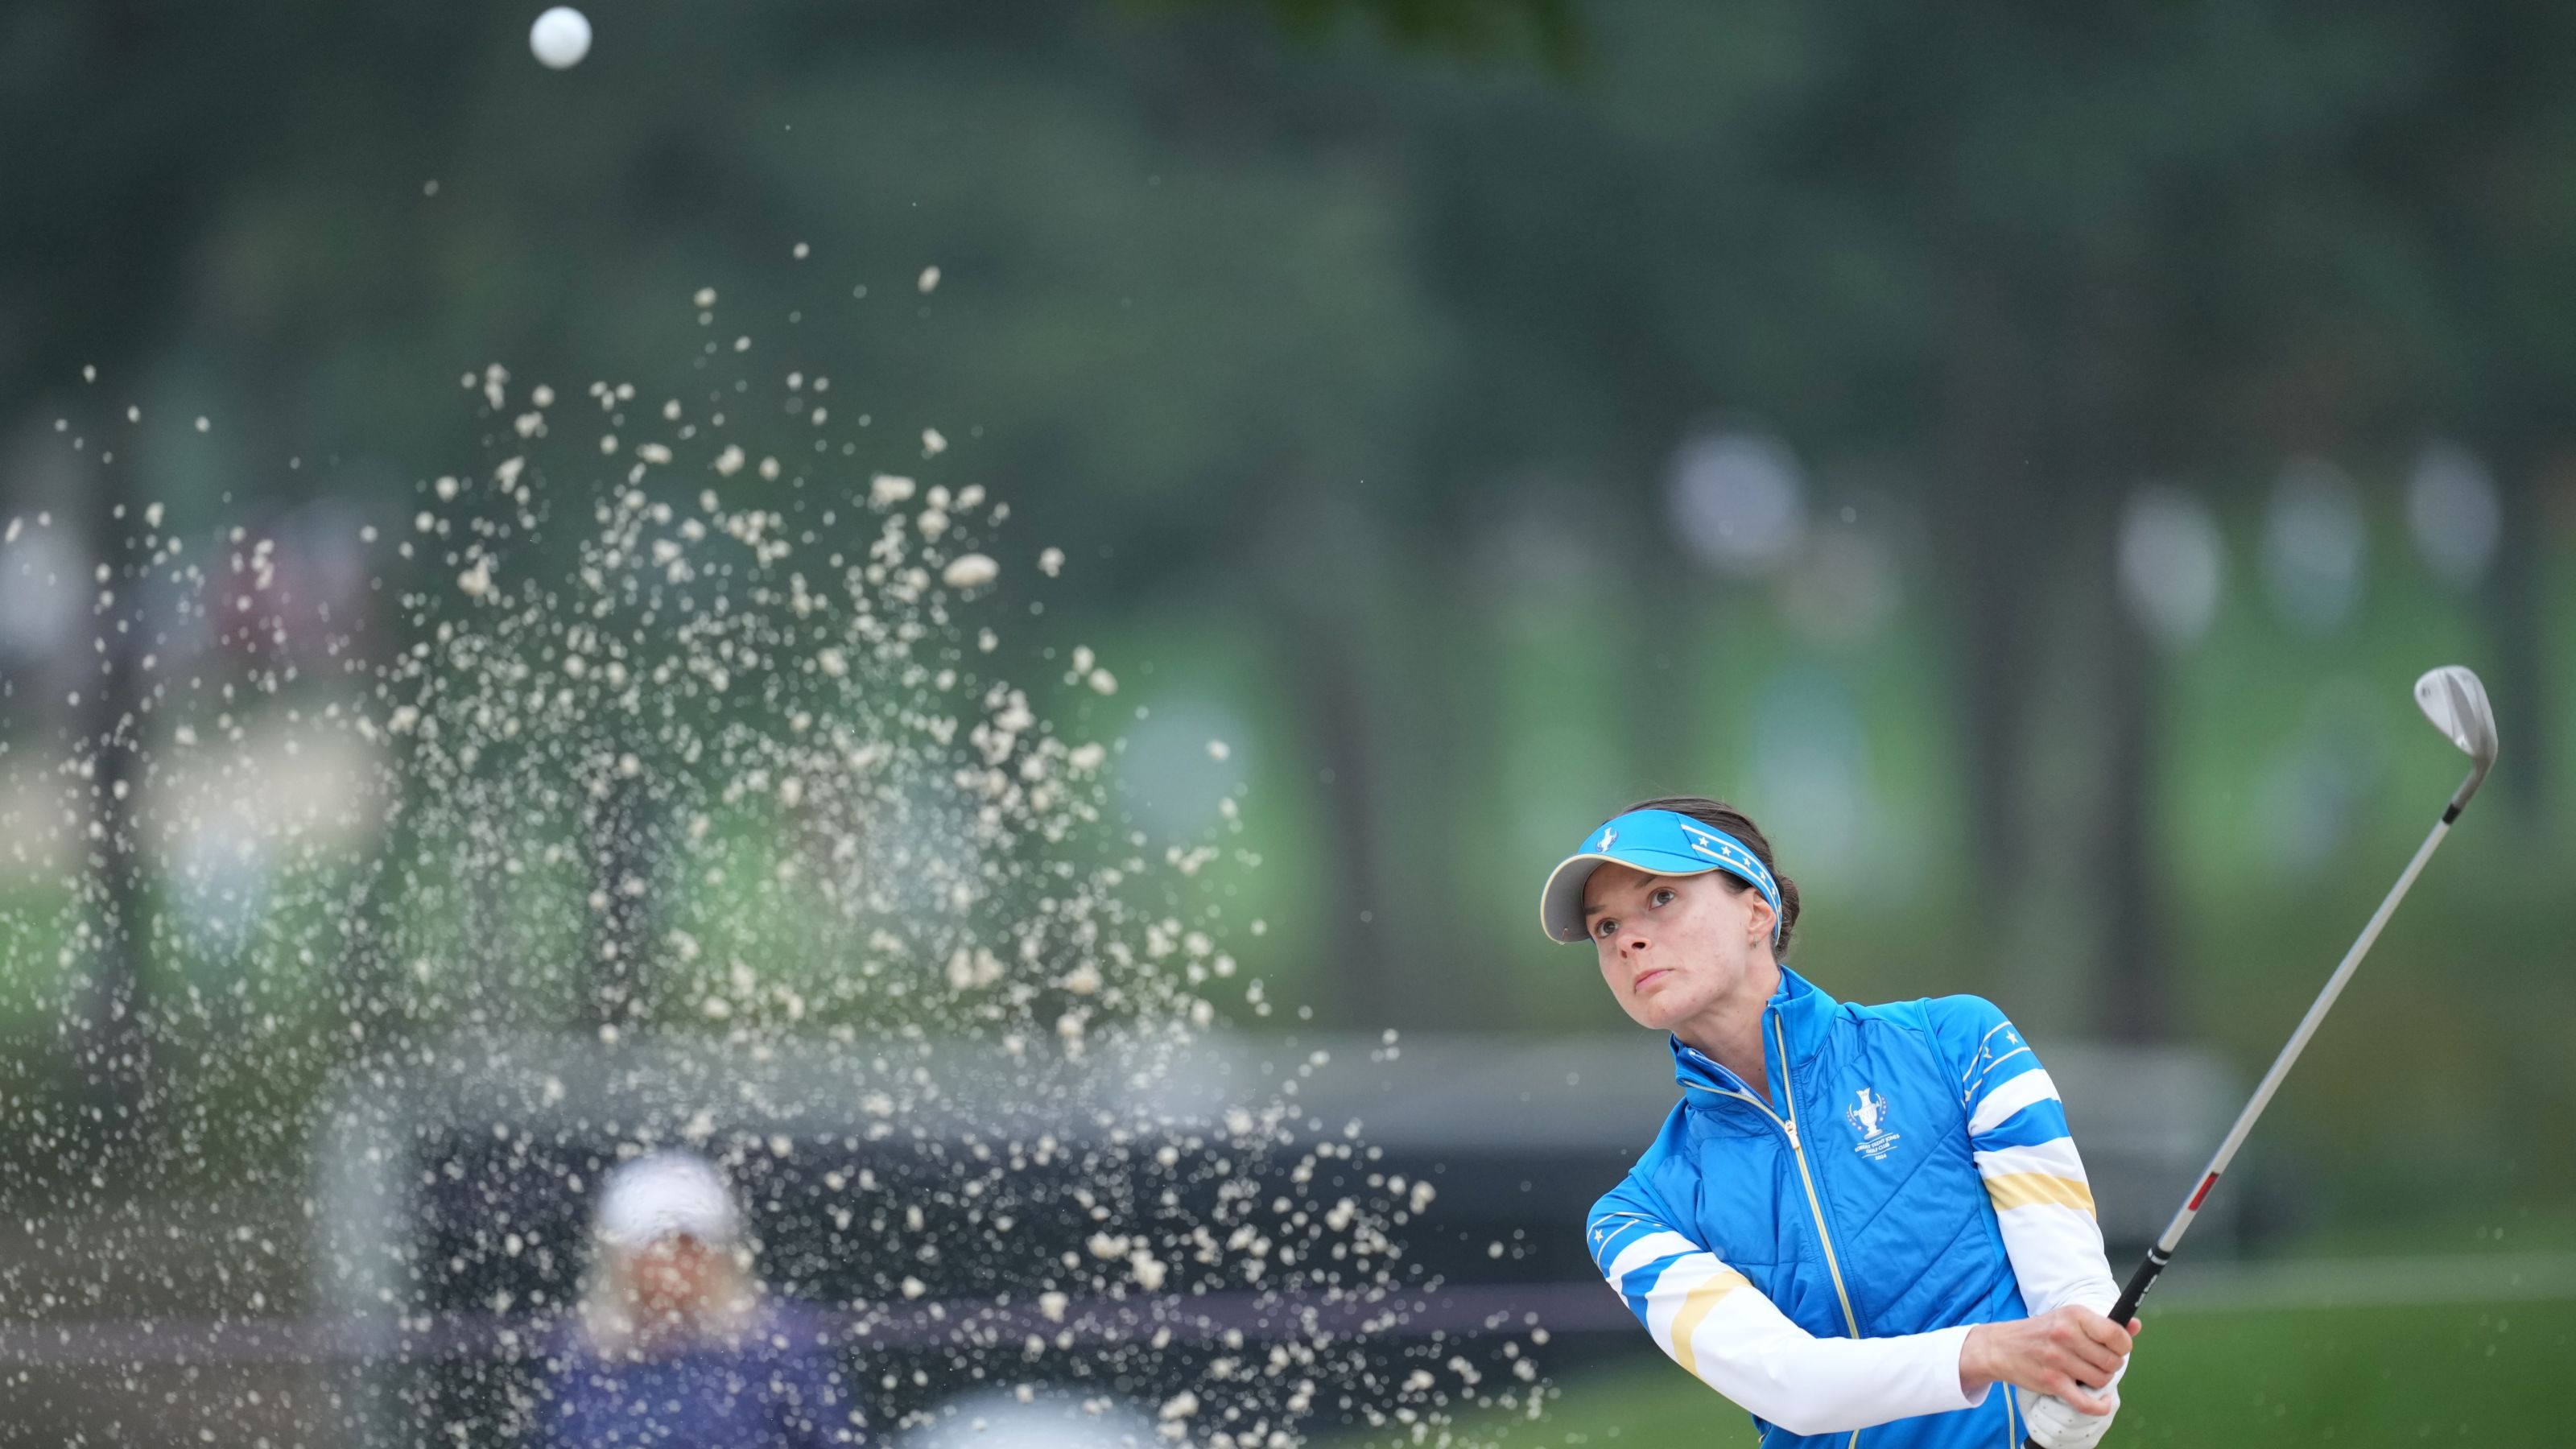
(1718, 815)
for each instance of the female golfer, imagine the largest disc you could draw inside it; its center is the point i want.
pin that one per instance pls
(1859, 1218)
(675, 1343)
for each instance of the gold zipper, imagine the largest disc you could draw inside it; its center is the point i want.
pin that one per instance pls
(1789, 1094)
(1814, 1204)
(1798, 1150)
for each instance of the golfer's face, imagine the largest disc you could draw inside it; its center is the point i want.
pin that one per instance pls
(673, 1278)
(1670, 946)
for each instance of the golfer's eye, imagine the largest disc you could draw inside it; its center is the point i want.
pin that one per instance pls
(1664, 896)
(1604, 928)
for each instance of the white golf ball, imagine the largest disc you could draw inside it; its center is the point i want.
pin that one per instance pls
(561, 37)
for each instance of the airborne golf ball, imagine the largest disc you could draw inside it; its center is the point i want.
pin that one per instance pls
(560, 38)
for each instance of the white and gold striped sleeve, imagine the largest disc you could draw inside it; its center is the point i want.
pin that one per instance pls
(1715, 1323)
(2033, 1175)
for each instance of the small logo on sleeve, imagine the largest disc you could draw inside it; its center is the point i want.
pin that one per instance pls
(1869, 1118)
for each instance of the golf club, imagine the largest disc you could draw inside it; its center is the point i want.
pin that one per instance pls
(2453, 699)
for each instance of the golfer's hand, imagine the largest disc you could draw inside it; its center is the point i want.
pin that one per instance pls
(2053, 1423)
(2059, 1354)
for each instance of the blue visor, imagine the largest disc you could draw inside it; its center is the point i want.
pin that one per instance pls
(1658, 842)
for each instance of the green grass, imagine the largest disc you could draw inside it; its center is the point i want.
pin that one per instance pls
(2486, 1373)
(2453, 1373)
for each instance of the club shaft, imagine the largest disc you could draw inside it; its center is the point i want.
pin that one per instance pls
(2162, 1253)
(2298, 1042)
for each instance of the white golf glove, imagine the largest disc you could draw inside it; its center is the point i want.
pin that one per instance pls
(2053, 1423)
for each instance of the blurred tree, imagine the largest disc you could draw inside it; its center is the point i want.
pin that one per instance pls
(1284, 330)
(1546, 29)
(2044, 258)
(2484, 308)
(174, 113)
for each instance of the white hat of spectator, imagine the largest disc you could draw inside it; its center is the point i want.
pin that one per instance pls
(664, 1194)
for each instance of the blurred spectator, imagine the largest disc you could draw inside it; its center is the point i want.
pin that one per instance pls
(676, 1343)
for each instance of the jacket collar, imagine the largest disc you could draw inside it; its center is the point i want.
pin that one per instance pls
(1804, 1014)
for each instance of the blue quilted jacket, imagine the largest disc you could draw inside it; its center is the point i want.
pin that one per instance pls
(1908, 1157)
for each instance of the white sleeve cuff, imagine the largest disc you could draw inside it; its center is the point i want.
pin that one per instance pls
(1942, 1348)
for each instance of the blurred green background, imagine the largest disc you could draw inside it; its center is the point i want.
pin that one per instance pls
(2022, 455)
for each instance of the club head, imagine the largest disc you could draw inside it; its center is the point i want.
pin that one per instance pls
(2453, 699)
